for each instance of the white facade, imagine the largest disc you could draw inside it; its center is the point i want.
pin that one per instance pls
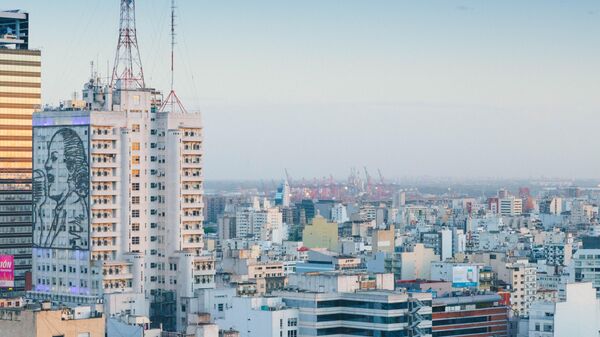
(585, 267)
(260, 224)
(339, 213)
(260, 316)
(416, 264)
(459, 241)
(447, 243)
(577, 315)
(129, 197)
(510, 206)
(523, 280)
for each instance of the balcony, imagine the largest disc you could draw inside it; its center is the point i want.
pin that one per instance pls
(104, 248)
(103, 234)
(192, 230)
(108, 178)
(187, 244)
(191, 218)
(108, 136)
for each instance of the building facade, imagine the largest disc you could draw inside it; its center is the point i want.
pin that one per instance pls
(20, 96)
(469, 315)
(120, 213)
(365, 313)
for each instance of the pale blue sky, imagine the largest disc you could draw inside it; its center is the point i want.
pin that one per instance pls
(438, 88)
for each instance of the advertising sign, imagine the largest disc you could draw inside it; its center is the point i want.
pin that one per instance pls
(465, 276)
(7, 271)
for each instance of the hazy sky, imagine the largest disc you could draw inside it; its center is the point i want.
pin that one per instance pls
(438, 88)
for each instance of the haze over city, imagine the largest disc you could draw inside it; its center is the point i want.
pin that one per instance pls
(299, 169)
(438, 88)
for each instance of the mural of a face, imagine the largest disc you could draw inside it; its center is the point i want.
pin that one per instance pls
(56, 169)
(61, 191)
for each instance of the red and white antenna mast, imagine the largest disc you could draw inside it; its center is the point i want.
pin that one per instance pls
(172, 100)
(128, 64)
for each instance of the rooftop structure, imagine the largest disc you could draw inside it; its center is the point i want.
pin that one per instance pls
(14, 29)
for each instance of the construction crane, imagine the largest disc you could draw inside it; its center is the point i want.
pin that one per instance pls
(287, 176)
(381, 177)
(369, 181)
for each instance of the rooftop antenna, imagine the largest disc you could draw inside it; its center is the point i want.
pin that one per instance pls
(172, 99)
(128, 64)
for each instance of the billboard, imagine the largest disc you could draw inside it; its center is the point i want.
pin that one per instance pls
(465, 276)
(7, 271)
(61, 187)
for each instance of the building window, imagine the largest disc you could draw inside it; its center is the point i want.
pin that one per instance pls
(292, 333)
(135, 200)
(135, 227)
(135, 240)
(135, 159)
(292, 322)
(135, 173)
(135, 146)
(135, 128)
(135, 186)
(135, 213)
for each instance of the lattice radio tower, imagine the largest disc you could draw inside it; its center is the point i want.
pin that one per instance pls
(128, 64)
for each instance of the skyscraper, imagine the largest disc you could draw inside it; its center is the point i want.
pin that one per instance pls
(20, 96)
(118, 182)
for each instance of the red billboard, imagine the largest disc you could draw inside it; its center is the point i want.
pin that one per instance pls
(7, 271)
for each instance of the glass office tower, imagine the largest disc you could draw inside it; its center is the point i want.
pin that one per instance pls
(20, 96)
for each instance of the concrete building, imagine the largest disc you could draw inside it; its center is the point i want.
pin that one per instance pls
(20, 96)
(342, 281)
(522, 279)
(446, 242)
(339, 213)
(469, 315)
(364, 313)
(47, 322)
(262, 224)
(558, 254)
(585, 266)
(551, 206)
(412, 265)
(575, 315)
(510, 206)
(384, 240)
(118, 213)
(321, 234)
(260, 317)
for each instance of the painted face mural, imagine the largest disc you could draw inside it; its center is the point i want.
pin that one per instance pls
(61, 190)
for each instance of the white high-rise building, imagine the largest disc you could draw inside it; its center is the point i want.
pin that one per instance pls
(118, 201)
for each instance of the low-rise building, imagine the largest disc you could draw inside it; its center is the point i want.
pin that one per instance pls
(45, 321)
(575, 315)
(469, 315)
(363, 313)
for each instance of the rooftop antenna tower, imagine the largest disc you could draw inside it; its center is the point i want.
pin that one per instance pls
(172, 99)
(128, 64)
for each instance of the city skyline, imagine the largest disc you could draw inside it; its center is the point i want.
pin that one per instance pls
(491, 84)
(384, 169)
